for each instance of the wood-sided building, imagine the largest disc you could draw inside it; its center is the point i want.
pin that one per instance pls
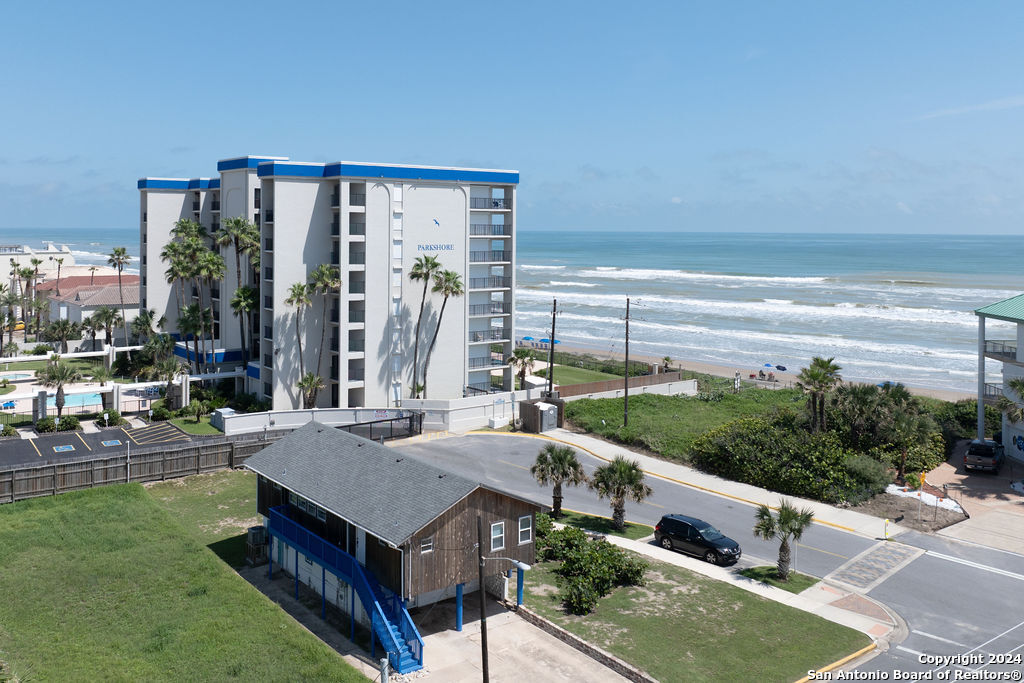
(360, 522)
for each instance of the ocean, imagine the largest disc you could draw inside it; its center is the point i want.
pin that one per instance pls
(887, 307)
(90, 247)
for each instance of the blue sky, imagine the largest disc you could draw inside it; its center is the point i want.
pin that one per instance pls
(741, 116)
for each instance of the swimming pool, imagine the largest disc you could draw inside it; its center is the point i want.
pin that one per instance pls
(16, 375)
(76, 400)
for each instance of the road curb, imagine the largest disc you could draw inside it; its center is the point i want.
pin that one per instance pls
(845, 660)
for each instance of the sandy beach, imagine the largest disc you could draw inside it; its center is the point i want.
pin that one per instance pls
(785, 379)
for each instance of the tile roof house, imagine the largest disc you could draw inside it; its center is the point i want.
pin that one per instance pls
(79, 300)
(354, 519)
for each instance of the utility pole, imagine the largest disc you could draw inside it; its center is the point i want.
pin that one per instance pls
(551, 350)
(625, 405)
(483, 605)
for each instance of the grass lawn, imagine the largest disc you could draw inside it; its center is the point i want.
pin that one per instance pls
(104, 584)
(83, 365)
(190, 426)
(217, 507)
(565, 374)
(668, 425)
(683, 626)
(8, 389)
(603, 525)
(797, 582)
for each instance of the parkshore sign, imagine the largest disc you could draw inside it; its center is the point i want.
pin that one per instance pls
(435, 247)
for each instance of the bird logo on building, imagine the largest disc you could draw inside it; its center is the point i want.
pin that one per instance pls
(436, 223)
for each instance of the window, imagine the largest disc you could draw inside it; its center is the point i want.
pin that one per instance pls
(396, 250)
(321, 514)
(396, 279)
(396, 309)
(398, 192)
(427, 545)
(396, 221)
(497, 536)
(525, 529)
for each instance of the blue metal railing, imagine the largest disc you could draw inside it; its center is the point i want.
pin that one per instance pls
(384, 611)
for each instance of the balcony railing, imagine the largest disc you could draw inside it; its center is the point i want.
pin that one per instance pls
(335, 201)
(268, 302)
(489, 335)
(488, 256)
(268, 244)
(335, 227)
(357, 287)
(489, 203)
(993, 390)
(1003, 348)
(256, 203)
(493, 308)
(488, 229)
(357, 345)
(268, 273)
(334, 315)
(495, 360)
(357, 228)
(357, 316)
(268, 332)
(490, 282)
(357, 200)
(215, 206)
(357, 258)
(334, 345)
(356, 375)
(195, 206)
(268, 216)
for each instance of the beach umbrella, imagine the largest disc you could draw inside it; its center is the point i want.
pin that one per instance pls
(781, 368)
(548, 341)
(769, 365)
(527, 338)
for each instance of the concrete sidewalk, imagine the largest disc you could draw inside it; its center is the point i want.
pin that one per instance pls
(848, 520)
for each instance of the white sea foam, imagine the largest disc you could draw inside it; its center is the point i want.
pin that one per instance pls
(528, 266)
(561, 283)
(609, 272)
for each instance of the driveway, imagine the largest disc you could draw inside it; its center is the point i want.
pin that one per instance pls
(996, 510)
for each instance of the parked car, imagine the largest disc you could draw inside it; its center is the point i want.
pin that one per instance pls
(696, 537)
(984, 455)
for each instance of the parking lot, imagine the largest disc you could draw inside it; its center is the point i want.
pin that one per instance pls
(49, 449)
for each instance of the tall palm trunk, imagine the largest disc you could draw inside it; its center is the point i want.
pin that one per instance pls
(430, 349)
(782, 567)
(416, 341)
(556, 500)
(59, 400)
(323, 332)
(124, 320)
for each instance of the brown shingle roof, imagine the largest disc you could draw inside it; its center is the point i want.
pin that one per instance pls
(88, 297)
(80, 280)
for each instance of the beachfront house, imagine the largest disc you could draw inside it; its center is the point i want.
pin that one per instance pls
(1009, 350)
(375, 532)
(79, 300)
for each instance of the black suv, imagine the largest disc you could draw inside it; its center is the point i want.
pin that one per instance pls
(696, 537)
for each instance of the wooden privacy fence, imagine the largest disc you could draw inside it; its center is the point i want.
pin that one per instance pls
(566, 390)
(151, 464)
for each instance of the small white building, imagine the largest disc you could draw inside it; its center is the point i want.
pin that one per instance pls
(1010, 352)
(81, 301)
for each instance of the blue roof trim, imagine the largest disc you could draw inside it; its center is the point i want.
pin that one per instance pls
(215, 184)
(162, 184)
(243, 162)
(421, 173)
(279, 168)
(203, 184)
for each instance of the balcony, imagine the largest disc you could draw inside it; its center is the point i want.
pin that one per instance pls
(356, 375)
(487, 229)
(268, 332)
(335, 258)
(215, 206)
(335, 227)
(993, 392)
(215, 293)
(268, 273)
(256, 202)
(495, 360)
(1004, 350)
(356, 287)
(357, 316)
(492, 308)
(357, 345)
(490, 256)
(490, 335)
(357, 228)
(490, 203)
(268, 244)
(268, 216)
(490, 282)
(357, 200)
(214, 227)
(334, 345)
(335, 201)
(268, 302)
(357, 258)
(195, 205)
(334, 315)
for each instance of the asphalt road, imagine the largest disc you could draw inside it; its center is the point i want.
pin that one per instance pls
(504, 462)
(956, 598)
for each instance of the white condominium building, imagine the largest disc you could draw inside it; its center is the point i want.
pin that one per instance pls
(371, 221)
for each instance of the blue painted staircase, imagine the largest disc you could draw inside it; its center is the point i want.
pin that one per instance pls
(390, 620)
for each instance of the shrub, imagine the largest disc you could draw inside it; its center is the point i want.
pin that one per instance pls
(41, 350)
(46, 425)
(871, 475)
(161, 413)
(114, 419)
(591, 570)
(67, 423)
(8, 430)
(560, 543)
(544, 527)
(11, 349)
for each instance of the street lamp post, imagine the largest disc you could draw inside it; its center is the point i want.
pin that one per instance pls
(522, 566)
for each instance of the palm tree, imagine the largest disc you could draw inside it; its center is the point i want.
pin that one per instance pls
(423, 269)
(10, 301)
(210, 267)
(142, 326)
(905, 430)
(859, 408)
(829, 373)
(106, 319)
(790, 523)
(522, 361)
(324, 280)
(89, 328)
(448, 283)
(60, 262)
(160, 347)
(1013, 410)
(61, 331)
(298, 296)
(197, 409)
(243, 303)
(167, 369)
(557, 465)
(26, 275)
(92, 274)
(35, 292)
(190, 323)
(310, 385)
(618, 480)
(245, 238)
(102, 375)
(119, 258)
(57, 375)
